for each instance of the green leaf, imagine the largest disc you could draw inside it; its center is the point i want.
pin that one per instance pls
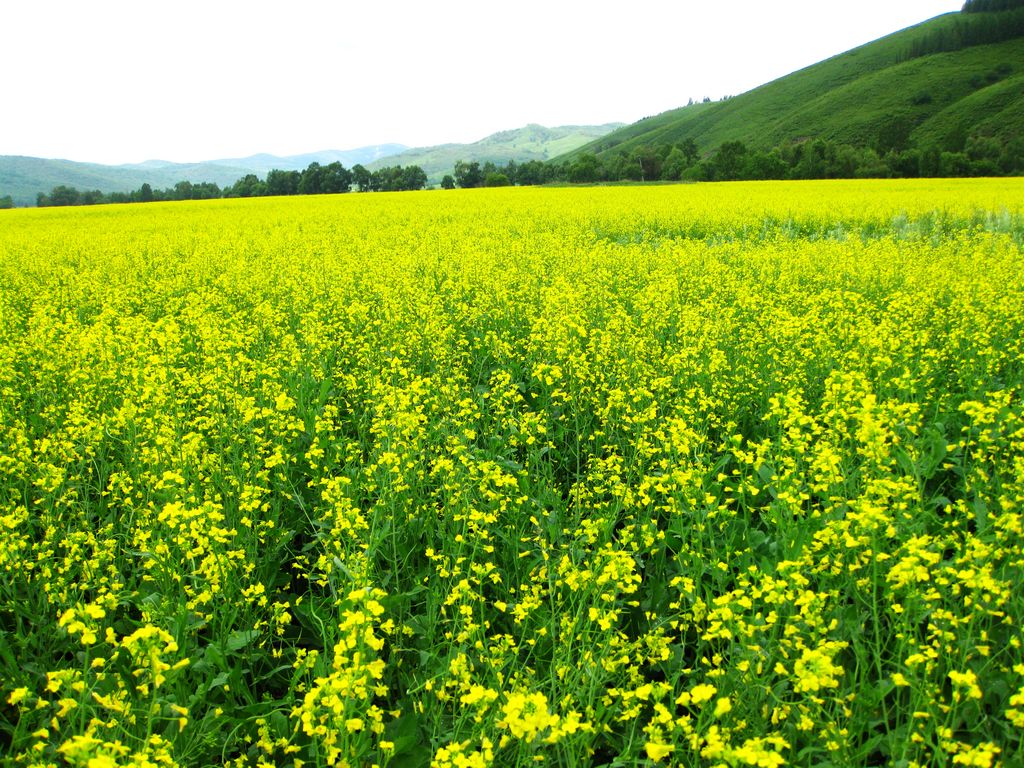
(933, 451)
(410, 746)
(219, 681)
(404, 732)
(213, 654)
(240, 639)
(325, 388)
(279, 723)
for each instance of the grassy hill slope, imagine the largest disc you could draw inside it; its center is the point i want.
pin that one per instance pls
(24, 177)
(900, 88)
(532, 142)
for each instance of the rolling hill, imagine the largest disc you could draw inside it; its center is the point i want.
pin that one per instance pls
(531, 142)
(934, 83)
(24, 177)
(262, 163)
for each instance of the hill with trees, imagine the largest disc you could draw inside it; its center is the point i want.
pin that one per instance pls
(946, 95)
(316, 179)
(519, 145)
(23, 178)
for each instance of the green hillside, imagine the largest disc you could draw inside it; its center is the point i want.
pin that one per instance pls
(24, 177)
(532, 142)
(937, 82)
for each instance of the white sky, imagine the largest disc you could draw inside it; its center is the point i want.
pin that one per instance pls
(116, 81)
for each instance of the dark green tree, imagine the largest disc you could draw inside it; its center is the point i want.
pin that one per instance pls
(183, 190)
(954, 164)
(310, 183)
(674, 165)
(618, 167)
(448, 182)
(413, 178)
(585, 169)
(1011, 160)
(512, 171)
(904, 165)
(92, 197)
(689, 149)
(496, 179)
(532, 172)
(395, 178)
(335, 178)
(814, 160)
(468, 175)
(283, 182)
(647, 162)
(361, 177)
(64, 195)
(930, 161)
(765, 165)
(729, 161)
(206, 190)
(247, 186)
(991, 6)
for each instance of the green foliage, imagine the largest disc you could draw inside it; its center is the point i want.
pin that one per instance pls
(729, 162)
(988, 6)
(532, 172)
(316, 179)
(468, 175)
(251, 186)
(675, 164)
(283, 182)
(584, 170)
(979, 154)
(646, 162)
(520, 145)
(24, 177)
(397, 179)
(361, 177)
(971, 30)
(496, 179)
(887, 95)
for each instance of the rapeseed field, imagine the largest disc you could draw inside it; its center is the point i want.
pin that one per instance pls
(710, 475)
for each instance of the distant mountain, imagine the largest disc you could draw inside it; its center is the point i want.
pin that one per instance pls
(532, 142)
(262, 163)
(24, 177)
(934, 84)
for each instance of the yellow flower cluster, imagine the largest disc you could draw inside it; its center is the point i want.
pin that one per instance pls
(724, 475)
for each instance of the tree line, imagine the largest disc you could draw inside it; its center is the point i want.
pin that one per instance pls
(982, 23)
(734, 161)
(891, 157)
(332, 178)
(316, 179)
(991, 6)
